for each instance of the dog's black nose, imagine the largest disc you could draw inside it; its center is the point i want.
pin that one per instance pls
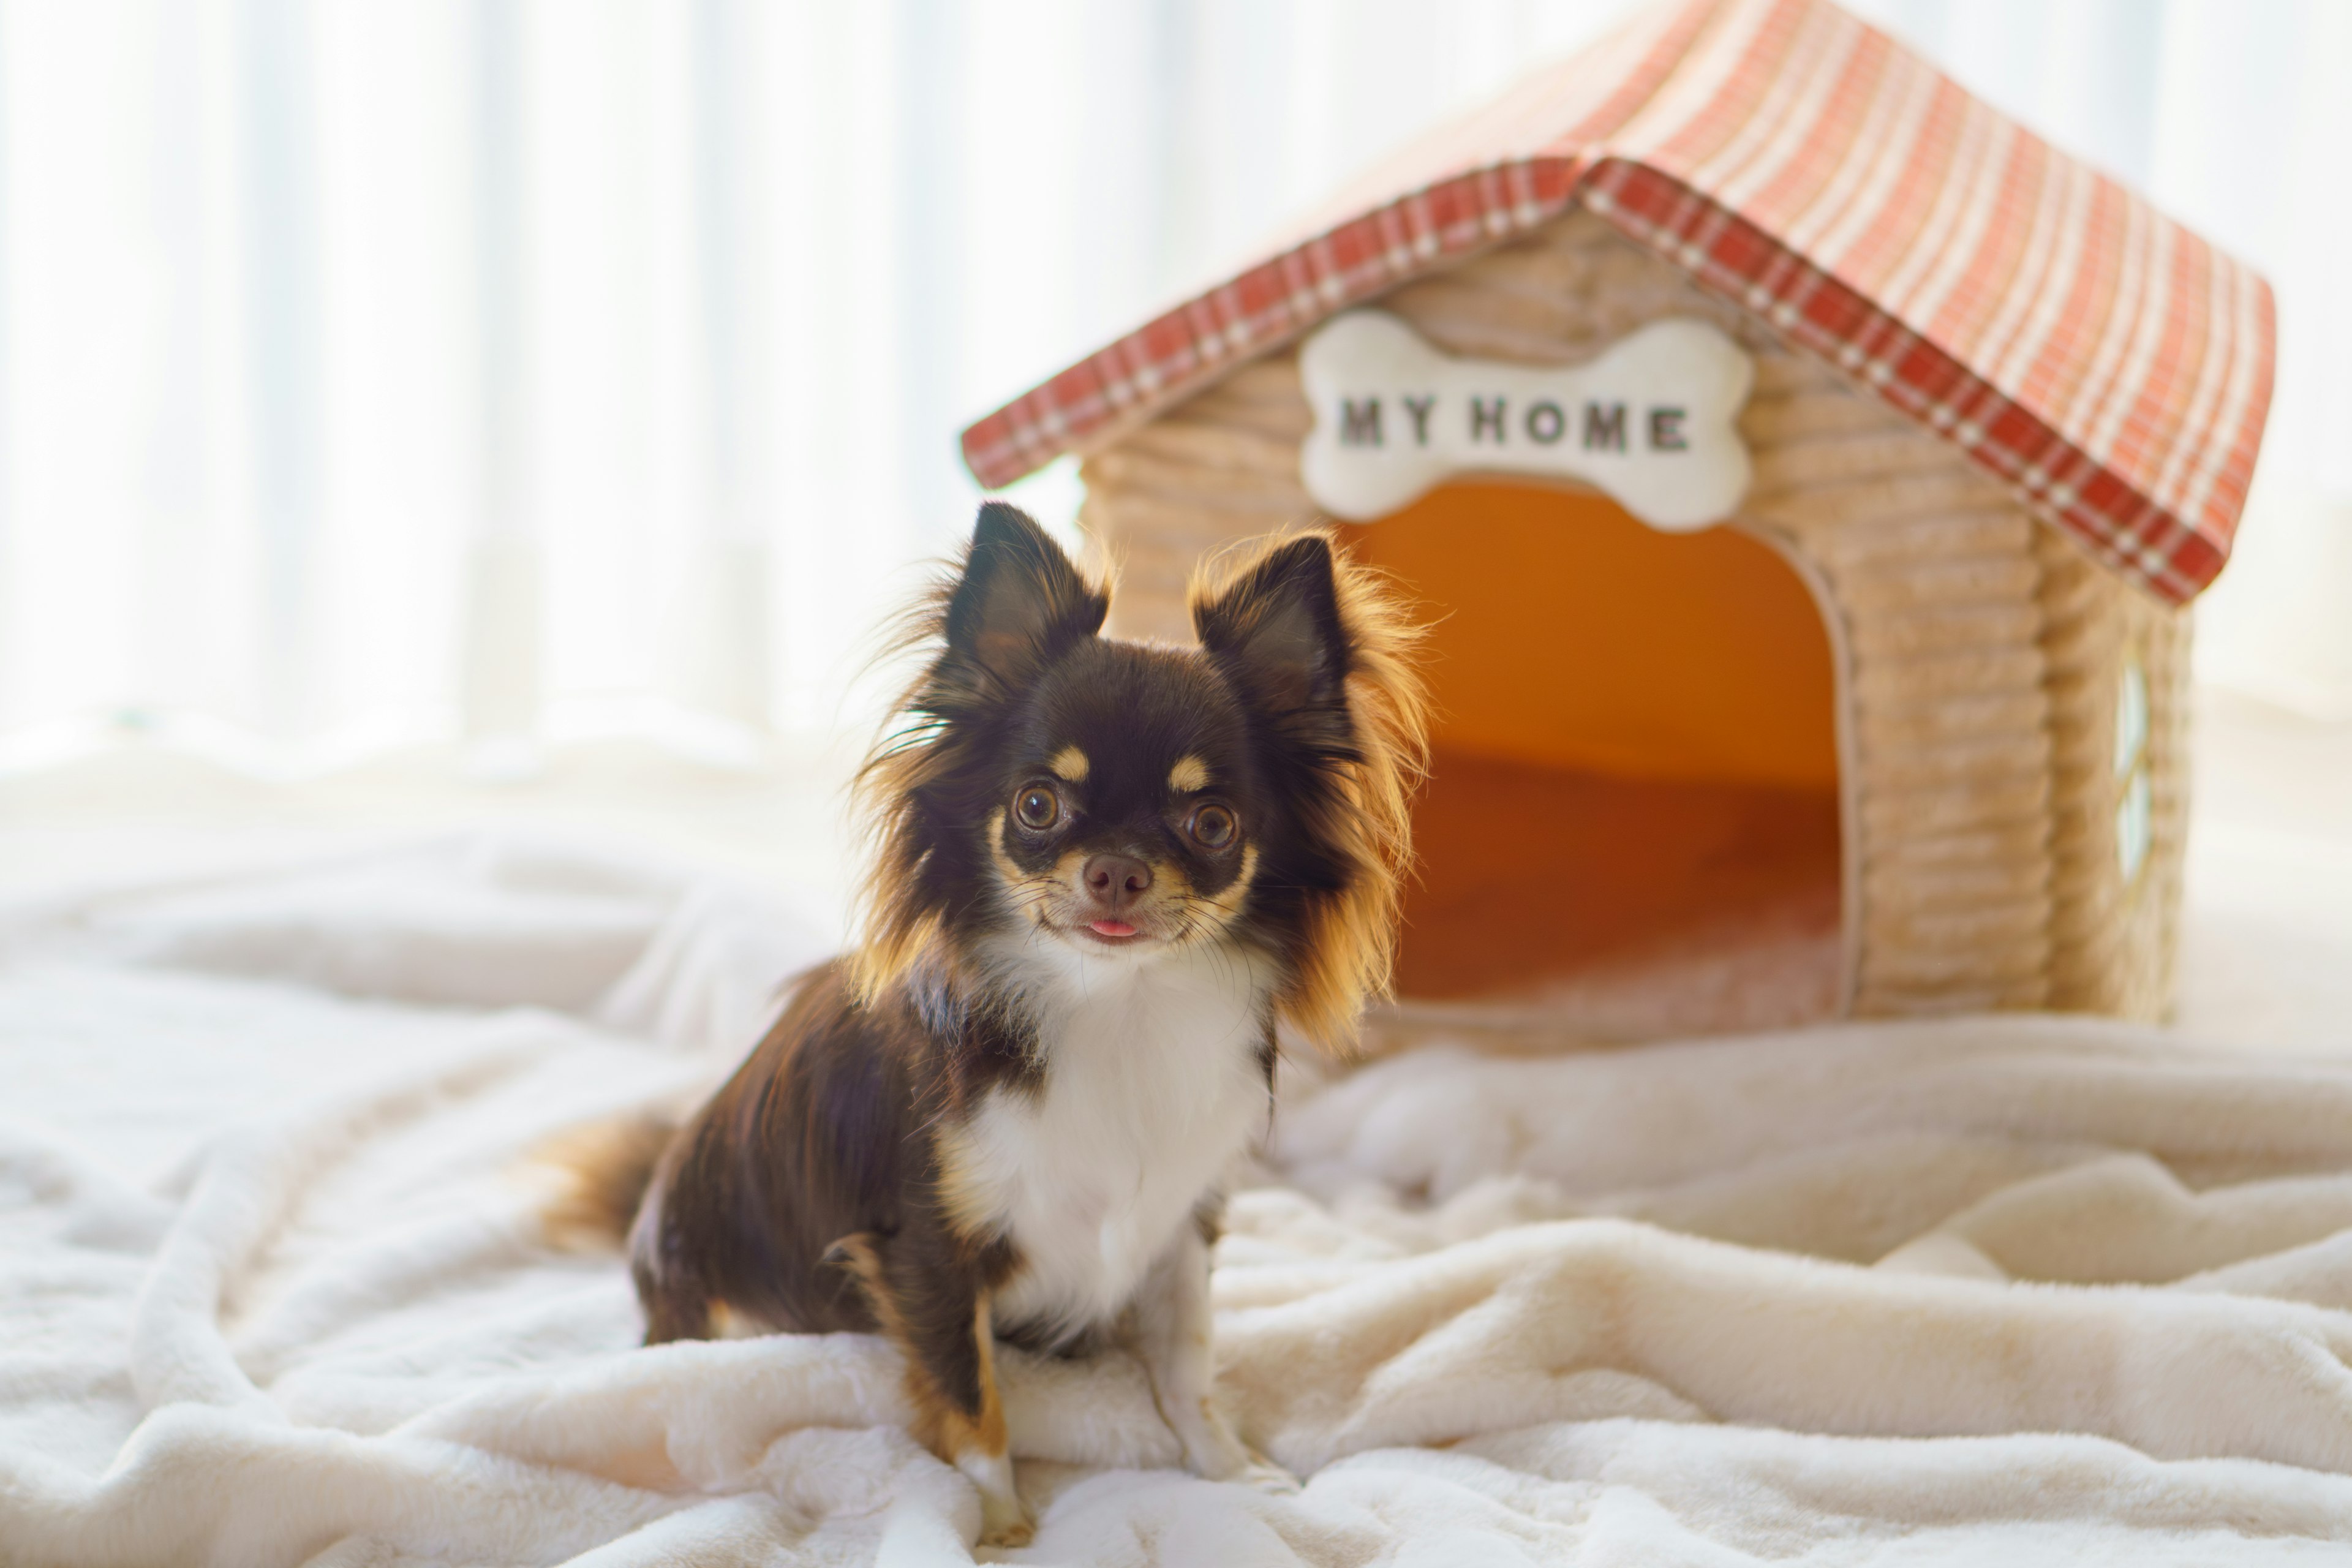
(1117, 880)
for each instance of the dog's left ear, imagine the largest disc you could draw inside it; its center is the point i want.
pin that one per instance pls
(1275, 628)
(1020, 600)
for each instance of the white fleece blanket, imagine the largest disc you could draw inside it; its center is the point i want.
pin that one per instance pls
(269, 1294)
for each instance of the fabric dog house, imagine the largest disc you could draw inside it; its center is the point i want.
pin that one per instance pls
(1901, 732)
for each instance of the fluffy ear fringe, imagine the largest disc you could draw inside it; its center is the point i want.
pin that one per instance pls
(897, 925)
(1349, 955)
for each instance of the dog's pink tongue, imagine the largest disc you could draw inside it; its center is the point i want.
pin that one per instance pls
(1113, 928)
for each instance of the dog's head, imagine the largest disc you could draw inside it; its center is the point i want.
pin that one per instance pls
(1125, 800)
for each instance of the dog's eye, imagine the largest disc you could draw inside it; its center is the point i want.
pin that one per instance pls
(1212, 825)
(1037, 806)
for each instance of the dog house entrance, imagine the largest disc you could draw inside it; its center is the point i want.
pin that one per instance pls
(1632, 816)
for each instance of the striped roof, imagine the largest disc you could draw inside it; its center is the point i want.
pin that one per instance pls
(2109, 365)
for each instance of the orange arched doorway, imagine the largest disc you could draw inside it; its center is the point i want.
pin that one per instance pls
(1632, 816)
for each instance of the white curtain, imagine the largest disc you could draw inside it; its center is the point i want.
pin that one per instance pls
(384, 371)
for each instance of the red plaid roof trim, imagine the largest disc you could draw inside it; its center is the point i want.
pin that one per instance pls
(2107, 363)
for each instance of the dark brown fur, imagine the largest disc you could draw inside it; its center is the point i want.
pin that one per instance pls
(806, 1180)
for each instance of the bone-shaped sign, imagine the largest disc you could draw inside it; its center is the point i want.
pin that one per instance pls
(1650, 422)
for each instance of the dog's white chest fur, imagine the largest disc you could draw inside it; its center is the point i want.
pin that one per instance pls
(1153, 1082)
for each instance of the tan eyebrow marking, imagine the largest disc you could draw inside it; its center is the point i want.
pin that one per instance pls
(1069, 764)
(1189, 775)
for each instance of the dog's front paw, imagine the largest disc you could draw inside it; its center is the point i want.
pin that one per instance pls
(1005, 1521)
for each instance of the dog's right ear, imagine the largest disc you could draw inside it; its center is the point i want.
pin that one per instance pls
(1275, 628)
(1020, 601)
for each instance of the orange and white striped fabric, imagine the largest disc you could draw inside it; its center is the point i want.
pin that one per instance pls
(2111, 366)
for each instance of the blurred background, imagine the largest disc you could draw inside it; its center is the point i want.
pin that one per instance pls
(404, 402)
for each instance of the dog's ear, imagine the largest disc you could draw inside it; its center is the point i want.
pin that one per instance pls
(1020, 600)
(1321, 649)
(1275, 628)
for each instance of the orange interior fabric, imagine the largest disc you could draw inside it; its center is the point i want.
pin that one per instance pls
(1532, 876)
(1576, 635)
(1636, 754)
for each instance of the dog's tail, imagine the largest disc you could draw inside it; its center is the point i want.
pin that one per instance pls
(595, 1177)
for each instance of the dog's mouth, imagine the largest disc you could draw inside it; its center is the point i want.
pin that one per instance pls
(1097, 925)
(1094, 933)
(1111, 932)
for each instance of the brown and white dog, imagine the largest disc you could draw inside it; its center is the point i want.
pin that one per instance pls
(1105, 872)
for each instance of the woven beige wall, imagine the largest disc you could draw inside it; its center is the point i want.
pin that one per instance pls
(2113, 938)
(1979, 655)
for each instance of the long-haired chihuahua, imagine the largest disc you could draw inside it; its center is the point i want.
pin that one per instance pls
(1105, 873)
